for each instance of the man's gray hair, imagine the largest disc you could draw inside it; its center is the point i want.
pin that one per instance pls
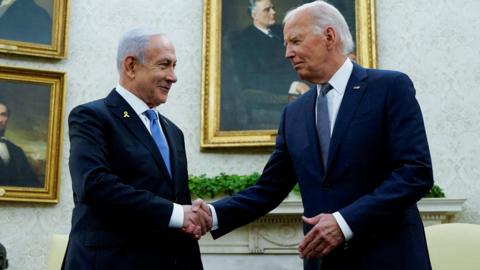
(134, 43)
(325, 15)
(252, 4)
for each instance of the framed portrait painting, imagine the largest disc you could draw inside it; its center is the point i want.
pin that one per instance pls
(34, 27)
(31, 109)
(246, 80)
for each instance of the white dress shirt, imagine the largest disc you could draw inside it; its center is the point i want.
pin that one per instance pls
(139, 106)
(266, 31)
(6, 4)
(4, 154)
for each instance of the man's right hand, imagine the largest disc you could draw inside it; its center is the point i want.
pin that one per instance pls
(197, 219)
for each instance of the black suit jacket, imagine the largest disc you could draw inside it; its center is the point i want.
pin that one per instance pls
(26, 21)
(260, 61)
(122, 192)
(378, 168)
(18, 171)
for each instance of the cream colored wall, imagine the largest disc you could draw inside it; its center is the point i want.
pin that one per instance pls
(435, 42)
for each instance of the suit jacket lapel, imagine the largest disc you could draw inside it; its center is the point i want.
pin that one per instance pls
(126, 115)
(354, 92)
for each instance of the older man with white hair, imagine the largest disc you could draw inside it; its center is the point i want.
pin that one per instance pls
(356, 145)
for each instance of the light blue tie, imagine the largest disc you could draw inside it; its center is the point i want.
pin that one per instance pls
(323, 122)
(159, 137)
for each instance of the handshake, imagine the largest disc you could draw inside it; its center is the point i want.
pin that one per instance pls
(197, 219)
(324, 237)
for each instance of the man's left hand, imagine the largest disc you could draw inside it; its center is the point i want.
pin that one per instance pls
(324, 237)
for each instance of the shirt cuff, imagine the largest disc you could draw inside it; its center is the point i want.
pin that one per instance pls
(214, 217)
(347, 232)
(293, 89)
(176, 220)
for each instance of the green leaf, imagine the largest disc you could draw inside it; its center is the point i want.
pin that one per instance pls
(435, 192)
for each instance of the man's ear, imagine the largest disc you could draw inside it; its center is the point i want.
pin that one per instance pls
(130, 66)
(330, 37)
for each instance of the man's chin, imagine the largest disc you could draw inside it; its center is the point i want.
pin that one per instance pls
(162, 100)
(302, 75)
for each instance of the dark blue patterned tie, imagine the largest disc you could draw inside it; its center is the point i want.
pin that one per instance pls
(323, 122)
(159, 137)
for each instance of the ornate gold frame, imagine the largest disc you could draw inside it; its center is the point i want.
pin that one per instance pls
(211, 135)
(56, 49)
(50, 191)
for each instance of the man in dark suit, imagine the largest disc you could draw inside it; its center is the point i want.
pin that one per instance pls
(24, 20)
(265, 76)
(356, 144)
(129, 170)
(15, 170)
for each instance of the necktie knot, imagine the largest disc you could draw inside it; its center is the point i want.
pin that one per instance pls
(325, 88)
(151, 114)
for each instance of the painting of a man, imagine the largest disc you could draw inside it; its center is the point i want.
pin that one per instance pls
(15, 169)
(257, 82)
(263, 76)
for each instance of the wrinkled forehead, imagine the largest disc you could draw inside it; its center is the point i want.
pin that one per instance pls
(297, 24)
(160, 45)
(161, 41)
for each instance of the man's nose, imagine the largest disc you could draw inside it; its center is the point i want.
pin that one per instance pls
(172, 77)
(288, 52)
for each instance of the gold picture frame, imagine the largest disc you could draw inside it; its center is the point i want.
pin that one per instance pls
(213, 133)
(34, 107)
(42, 28)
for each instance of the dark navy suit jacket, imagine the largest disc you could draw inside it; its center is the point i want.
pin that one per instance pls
(26, 21)
(260, 62)
(378, 168)
(17, 172)
(264, 75)
(122, 192)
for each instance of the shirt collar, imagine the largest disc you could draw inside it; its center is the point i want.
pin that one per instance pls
(6, 4)
(264, 30)
(340, 79)
(135, 102)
